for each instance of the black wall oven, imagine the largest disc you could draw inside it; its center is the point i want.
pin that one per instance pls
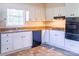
(72, 28)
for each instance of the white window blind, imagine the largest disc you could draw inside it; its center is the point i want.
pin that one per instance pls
(15, 17)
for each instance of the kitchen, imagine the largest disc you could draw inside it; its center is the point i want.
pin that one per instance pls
(46, 29)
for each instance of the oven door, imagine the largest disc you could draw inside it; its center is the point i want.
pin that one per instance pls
(71, 27)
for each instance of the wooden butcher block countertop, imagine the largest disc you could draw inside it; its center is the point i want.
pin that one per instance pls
(40, 25)
(30, 29)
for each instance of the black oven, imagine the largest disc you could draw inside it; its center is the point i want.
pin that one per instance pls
(72, 28)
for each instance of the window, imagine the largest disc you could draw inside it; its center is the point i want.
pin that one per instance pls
(15, 17)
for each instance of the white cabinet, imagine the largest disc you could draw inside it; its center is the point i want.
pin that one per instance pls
(6, 48)
(6, 42)
(22, 39)
(43, 36)
(6, 38)
(59, 11)
(54, 38)
(50, 13)
(72, 45)
(27, 38)
(57, 38)
(72, 11)
(15, 40)
(46, 37)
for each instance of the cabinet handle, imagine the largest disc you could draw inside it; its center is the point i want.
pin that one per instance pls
(23, 36)
(56, 35)
(7, 34)
(7, 48)
(7, 41)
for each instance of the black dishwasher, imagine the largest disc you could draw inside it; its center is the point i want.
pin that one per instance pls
(36, 38)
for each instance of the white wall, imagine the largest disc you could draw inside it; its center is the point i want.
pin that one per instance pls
(37, 10)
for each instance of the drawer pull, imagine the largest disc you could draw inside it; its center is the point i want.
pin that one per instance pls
(7, 41)
(56, 35)
(7, 48)
(7, 34)
(23, 36)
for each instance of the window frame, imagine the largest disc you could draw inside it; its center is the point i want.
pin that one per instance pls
(24, 17)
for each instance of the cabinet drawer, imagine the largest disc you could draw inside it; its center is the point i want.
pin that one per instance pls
(6, 48)
(4, 35)
(27, 35)
(5, 41)
(72, 46)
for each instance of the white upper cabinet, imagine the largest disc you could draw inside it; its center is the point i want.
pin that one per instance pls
(72, 4)
(50, 12)
(68, 10)
(72, 10)
(60, 11)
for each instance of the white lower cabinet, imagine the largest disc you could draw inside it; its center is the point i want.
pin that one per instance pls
(15, 40)
(57, 38)
(46, 36)
(6, 42)
(71, 45)
(27, 39)
(43, 36)
(6, 48)
(54, 38)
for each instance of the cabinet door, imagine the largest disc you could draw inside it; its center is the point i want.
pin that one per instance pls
(17, 42)
(72, 12)
(47, 36)
(6, 42)
(52, 37)
(43, 36)
(27, 39)
(62, 11)
(6, 38)
(69, 12)
(72, 45)
(6, 48)
(76, 11)
(56, 11)
(59, 38)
